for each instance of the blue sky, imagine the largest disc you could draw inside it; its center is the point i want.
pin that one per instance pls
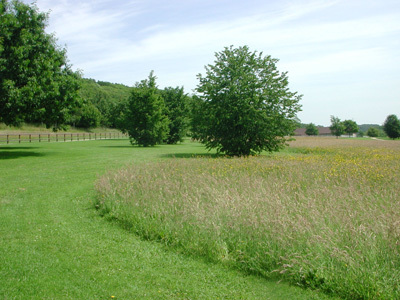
(342, 55)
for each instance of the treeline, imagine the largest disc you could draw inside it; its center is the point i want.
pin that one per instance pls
(100, 104)
(390, 128)
(119, 106)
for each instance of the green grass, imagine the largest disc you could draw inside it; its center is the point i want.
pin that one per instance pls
(54, 245)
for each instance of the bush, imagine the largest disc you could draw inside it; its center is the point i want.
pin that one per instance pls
(311, 129)
(372, 132)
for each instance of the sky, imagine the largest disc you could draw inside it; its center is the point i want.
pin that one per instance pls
(343, 56)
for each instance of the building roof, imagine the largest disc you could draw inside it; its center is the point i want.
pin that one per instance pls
(322, 131)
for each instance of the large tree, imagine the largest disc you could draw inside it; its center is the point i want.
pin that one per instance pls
(245, 103)
(392, 127)
(350, 127)
(144, 116)
(36, 82)
(337, 127)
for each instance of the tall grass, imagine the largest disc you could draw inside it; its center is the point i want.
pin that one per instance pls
(319, 216)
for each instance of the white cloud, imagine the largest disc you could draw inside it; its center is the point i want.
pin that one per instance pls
(338, 62)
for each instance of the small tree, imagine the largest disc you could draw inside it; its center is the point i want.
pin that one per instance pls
(311, 129)
(350, 127)
(143, 116)
(245, 104)
(372, 132)
(177, 110)
(392, 127)
(337, 127)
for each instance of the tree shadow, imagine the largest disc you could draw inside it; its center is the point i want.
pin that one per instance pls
(119, 147)
(192, 155)
(18, 154)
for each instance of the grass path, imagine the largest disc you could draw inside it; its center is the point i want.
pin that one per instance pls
(53, 244)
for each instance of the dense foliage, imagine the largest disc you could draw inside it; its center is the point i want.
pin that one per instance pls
(337, 127)
(365, 127)
(106, 97)
(143, 116)
(350, 127)
(311, 129)
(392, 127)
(36, 82)
(372, 132)
(177, 111)
(246, 106)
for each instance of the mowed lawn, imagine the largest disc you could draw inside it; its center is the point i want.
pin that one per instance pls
(54, 245)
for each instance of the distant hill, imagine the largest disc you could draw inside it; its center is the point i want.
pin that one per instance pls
(365, 127)
(105, 97)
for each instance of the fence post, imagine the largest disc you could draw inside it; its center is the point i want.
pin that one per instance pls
(8, 138)
(39, 137)
(56, 137)
(77, 136)
(64, 137)
(71, 137)
(49, 137)
(19, 138)
(30, 138)
(100, 135)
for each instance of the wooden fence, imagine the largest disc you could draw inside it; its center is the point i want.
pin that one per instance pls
(58, 137)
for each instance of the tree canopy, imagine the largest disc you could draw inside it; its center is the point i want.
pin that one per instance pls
(311, 129)
(245, 103)
(392, 127)
(372, 132)
(350, 127)
(36, 81)
(106, 97)
(143, 116)
(337, 127)
(177, 111)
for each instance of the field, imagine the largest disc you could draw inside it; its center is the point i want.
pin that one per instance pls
(324, 214)
(55, 245)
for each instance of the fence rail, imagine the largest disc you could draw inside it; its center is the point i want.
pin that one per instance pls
(58, 137)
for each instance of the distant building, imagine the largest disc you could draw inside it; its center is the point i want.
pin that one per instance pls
(323, 131)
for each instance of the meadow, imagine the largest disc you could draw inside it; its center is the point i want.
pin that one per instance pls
(55, 245)
(323, 214)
